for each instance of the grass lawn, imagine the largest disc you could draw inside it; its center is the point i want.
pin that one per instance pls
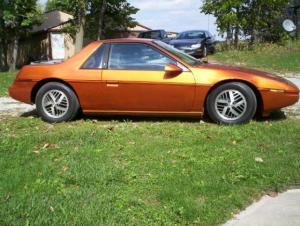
(141, 172)
(280, 59)
(6, 80)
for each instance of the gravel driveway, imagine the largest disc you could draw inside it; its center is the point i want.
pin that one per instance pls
(11, 107)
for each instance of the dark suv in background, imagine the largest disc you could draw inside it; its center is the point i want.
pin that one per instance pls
(161, 35)
(198, 43)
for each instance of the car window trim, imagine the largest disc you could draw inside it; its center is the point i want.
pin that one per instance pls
(126, 43)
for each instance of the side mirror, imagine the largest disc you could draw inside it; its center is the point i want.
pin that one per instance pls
(172, 70)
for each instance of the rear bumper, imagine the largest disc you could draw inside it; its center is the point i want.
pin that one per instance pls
(21, 90)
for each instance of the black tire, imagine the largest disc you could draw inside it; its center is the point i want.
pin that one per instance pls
(215, 106)
(70, 98)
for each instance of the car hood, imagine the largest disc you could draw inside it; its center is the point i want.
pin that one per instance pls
(243, 70)
(251, 75)
(185, 41)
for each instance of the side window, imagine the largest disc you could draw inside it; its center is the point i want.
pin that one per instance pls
(147, 35)
(95, 61)
(155, 35)
(137, 57)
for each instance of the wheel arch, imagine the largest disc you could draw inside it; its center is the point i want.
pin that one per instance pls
(45, 81)
(260, 105)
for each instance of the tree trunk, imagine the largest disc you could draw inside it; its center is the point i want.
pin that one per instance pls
(80, 34)
(252, 39)
(237, 30)
(236, 36)
(2, 27)
(4, 52)
(14, 55)
(296, 20)
(229, 36)
(1, 56)
(101, 19)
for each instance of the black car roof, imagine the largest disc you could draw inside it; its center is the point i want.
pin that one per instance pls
(194, 31)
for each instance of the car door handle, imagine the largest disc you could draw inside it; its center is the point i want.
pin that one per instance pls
(112, 84)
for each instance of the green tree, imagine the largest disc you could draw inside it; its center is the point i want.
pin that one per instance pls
(95, 19)
(17, 19)
(263, 19)
(252, 18)
(229, 17)
(103, 23)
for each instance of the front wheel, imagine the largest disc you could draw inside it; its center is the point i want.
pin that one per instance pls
(56, 102)
(231, 103)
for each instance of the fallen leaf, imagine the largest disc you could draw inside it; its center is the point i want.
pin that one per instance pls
(47, 145)
(259, 159)
(36, 152)
(7, 198)
(64, 168)
(262, 145)
(272, 194)
(51, 209)
(110, 129)
(49, 127)
(207, 137)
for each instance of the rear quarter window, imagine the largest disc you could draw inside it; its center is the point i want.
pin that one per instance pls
(96, 60)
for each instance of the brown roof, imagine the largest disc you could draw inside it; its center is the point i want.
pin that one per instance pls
(139, 27)
(53, 19)
(143, 26)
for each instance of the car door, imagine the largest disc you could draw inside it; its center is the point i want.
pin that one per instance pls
(135, 80)
(86, 80)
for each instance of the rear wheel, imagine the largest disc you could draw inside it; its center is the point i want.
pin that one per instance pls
(56, 102)
(231, 103)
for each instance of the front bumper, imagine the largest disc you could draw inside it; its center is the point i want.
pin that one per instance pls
(190, 51)
(21, 90)
(278, 100)
(194, 52)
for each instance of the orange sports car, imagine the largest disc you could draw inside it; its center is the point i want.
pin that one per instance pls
(148, 77)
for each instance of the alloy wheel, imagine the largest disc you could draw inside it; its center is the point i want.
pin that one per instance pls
(55, 103)
(231, 104)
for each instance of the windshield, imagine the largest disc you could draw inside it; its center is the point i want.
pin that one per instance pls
(181, 55)
(191, 35)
